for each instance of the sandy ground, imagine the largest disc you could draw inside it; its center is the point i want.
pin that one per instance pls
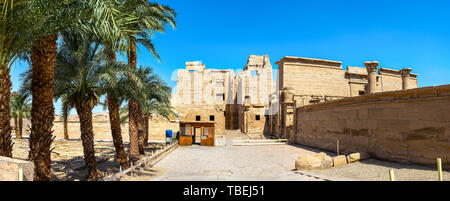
(68, 159)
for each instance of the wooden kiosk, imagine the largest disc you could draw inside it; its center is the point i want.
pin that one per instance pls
(201, 133)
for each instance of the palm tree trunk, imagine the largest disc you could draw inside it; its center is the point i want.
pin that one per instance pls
(114, 122)
(146, 117)
(16, 127)
(87, 138)
(65, 115)
(43, 57)
(141, 135)
(6, 144)
(66, 130)
(20, 128)
(116, 131)
(135, 129)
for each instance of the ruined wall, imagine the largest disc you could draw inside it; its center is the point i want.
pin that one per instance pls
(411, 126)
(254, 87)
(102, 130)
(258, 123)
(205, 92)
(188, 114)
(316, 81)
(391, 80)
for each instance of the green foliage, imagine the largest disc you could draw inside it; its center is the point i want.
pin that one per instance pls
(150, 17)
(77, 71)
(82, 76)
(154, 95)
(20, 105)
(13, 30)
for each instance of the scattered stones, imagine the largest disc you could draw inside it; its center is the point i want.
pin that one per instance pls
(323, 161)
(326, 161)
(339, 160)
(319, 161)
(307, 162)
(357, 157)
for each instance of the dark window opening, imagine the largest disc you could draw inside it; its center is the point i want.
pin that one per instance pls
(361, 92)
(211, 117)
(197, 118)
(225, 113)
(258, 117)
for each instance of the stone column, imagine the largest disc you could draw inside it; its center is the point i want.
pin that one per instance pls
(405, 77)
(246, 110)
(372, 75)
(288, 112)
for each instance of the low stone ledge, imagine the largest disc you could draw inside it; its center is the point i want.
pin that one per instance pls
(9, 169)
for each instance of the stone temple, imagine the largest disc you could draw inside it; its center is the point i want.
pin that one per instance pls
(259, 106)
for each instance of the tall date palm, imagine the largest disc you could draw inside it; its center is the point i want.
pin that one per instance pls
(20, 109)
(48, 18)
(155, 99)
(78, 72)
(151, 17)
(12, 45)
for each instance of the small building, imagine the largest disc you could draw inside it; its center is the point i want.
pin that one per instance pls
(201, 133)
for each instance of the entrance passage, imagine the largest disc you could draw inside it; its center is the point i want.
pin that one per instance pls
(196, 133)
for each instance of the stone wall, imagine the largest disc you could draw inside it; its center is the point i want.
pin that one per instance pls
(102, 130)
(189, 114)
(313, 81)
(410, 126)
(254, 87)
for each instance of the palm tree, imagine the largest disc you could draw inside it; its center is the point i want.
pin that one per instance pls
(20, 108)
(118, 89)
(12, 45)
(47, 19)
(153, 96)
(81, 78)
(151, 17)
(77, 77)
(156, 99)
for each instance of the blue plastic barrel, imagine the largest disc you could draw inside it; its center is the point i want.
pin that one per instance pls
(168, 133)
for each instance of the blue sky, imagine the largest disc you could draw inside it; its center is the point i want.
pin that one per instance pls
(222, 33)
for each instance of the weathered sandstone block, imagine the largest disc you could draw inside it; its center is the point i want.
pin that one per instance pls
(357, 157)
(339, 161)
(326, 161)
(319, 161)
(307, 162)
(9, 169)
